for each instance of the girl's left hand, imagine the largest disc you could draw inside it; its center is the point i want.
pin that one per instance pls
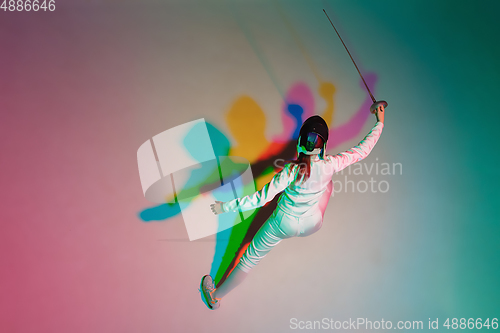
(217, 208)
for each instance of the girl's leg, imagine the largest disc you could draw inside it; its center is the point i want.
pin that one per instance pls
(268, 236)
(233, 280)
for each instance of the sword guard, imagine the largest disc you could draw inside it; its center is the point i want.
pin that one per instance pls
(376, 105)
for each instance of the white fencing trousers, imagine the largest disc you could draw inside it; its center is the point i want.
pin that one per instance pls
(278, 226)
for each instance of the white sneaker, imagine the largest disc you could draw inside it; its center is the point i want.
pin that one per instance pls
(207, 288)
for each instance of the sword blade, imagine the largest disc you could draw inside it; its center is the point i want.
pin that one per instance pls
(362, 78)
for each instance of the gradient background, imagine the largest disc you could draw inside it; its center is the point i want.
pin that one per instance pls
(81, 88)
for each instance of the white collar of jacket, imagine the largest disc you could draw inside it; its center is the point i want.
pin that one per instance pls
(315, 151)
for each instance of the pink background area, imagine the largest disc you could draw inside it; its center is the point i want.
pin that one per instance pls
(83, 87)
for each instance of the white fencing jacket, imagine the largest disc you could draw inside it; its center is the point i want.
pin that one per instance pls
(303, 198)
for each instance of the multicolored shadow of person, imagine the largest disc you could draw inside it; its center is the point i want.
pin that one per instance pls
(247, 123)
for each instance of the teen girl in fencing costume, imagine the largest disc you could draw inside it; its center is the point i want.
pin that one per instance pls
(306, 184)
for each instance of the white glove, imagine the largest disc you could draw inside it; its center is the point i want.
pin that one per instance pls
(217, 208)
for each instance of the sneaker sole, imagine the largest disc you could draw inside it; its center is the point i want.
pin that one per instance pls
(203, 296)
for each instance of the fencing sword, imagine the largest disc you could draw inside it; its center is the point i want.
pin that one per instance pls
(376, 103)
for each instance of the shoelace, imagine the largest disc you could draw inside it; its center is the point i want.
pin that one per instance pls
(211, 298)
(215, 300)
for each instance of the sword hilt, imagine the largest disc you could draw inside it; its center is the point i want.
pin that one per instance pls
(376, 105)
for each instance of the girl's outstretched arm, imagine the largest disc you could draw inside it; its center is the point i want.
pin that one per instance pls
(279, 182)
(361, 150)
